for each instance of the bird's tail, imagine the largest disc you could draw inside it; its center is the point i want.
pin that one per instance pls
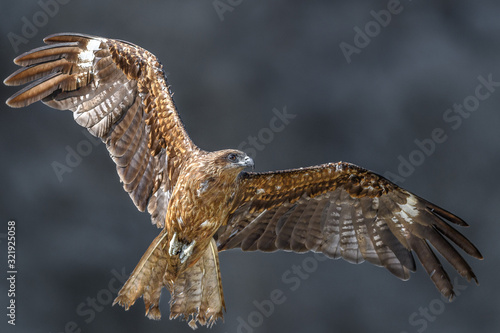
(147, 278)
(196, 292)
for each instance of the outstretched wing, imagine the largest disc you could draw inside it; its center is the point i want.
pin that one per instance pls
(345, 211)
(119, 92)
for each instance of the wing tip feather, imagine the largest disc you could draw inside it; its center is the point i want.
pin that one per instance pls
(436, 210)
(9, 80)
(67, 37)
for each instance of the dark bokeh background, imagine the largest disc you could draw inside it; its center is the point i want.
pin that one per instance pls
(228, 75)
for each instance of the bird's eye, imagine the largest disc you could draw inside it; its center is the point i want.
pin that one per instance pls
(232, 157)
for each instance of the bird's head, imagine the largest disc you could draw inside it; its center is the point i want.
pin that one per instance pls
(231, 160)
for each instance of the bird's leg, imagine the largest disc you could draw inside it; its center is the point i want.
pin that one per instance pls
(179, 251)
(197, 292)
(187, 250)
(175, 245)
(178, 247)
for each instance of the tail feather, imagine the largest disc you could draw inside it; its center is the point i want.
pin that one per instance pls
(147, 278)
(197, 292)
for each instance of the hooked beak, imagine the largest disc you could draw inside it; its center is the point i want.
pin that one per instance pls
(248, 162)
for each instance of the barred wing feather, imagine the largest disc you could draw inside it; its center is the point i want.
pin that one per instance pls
(118, 91)
(345, 211)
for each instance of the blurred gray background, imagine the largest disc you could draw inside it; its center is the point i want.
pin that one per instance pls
(229, 68)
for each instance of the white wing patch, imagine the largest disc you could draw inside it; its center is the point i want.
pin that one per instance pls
(87, 57)
(408, 210)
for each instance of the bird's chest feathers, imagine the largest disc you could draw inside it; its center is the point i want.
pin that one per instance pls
(201, 202)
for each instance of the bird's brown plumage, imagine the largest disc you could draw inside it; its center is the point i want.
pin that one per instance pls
(204, 201)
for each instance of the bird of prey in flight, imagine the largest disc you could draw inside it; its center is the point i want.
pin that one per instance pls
(204, 202)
